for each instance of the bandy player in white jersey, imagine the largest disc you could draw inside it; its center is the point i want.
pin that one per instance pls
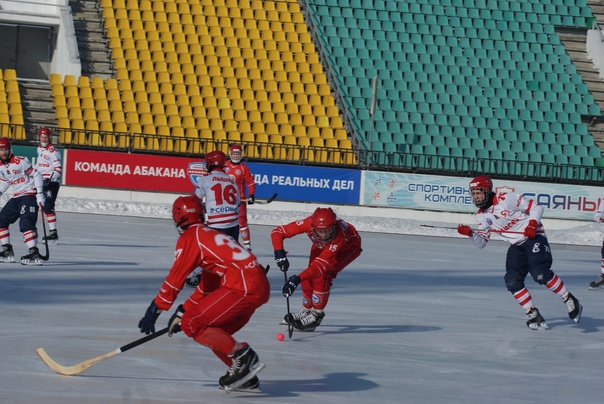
(49, 165)
(517, 220)
(26, 182)
(221, 196)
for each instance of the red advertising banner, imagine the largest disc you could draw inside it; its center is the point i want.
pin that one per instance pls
(128, 171)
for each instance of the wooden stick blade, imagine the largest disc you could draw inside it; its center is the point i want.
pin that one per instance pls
(75, 369)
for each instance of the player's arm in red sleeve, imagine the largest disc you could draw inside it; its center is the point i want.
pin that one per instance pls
(289, 230)
(248, 178)
(187, 258)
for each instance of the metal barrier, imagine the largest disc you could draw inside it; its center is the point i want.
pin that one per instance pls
(322, 156)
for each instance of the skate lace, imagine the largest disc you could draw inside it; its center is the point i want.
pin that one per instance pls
(533, 314)
(237, 365)
(570, 304)
(309, 318)
(300, 314)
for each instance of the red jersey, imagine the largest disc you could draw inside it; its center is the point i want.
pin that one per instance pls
(219, 254)
(243, 177)
(346, 238)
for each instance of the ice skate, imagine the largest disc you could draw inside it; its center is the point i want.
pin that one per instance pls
(52, 237)
(7, 254)
(310, 321)
(295, 316)
(574, 307)
(193, 280)
(597, 284)
(33, 258)
(247, 245)
(535, 320)
(244, 368)
(251, 386)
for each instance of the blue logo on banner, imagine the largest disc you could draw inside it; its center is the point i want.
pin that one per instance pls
(195, 171)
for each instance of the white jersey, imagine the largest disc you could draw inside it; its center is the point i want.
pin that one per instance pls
(221, 199)
(21, 175)
(49, 163)
(508, 217)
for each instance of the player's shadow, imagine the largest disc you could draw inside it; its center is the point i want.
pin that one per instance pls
(331, 382)
(587, 324)
(109, 264)
(368, 329)
(301, 336)
(108, 245)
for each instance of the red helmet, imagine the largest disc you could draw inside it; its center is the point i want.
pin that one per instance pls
(215, 159)
(187, 210)
(485, 185)
(323, 223)
(236, 152)
(44, 131)
(4, 143)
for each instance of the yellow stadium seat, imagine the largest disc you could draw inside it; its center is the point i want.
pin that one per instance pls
(118, 116)
(61, 112)
(188, 122)
(65, 135)
(191, 133)
(78, 131)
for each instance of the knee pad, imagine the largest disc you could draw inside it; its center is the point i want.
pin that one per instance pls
(513, 282)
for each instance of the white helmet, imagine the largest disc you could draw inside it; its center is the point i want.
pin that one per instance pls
(236, 153)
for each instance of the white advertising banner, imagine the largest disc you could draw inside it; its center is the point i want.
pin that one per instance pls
(414, 191)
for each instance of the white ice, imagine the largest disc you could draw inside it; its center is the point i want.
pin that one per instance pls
(421, 317)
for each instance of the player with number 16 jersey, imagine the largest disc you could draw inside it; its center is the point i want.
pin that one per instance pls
(221, 196)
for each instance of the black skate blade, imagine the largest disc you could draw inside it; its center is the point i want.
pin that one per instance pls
(254, 390)
(253, 372)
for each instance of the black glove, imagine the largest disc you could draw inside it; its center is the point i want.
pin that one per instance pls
(147, 323)
(174, 323)
(46, 181)
(290, 285)
(282, 261)
(251, 199)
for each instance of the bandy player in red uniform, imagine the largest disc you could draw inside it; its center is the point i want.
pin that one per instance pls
(243, 178)
(215, 310)
(335, 244)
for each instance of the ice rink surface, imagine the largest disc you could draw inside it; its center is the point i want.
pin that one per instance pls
(414, 320)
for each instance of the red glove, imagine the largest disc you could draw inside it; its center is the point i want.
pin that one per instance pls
(465, 230)
(531, 230)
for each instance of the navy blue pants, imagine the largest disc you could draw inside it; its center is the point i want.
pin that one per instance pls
(231, 231)
(23, 208)
(51, 191)
(534, 257)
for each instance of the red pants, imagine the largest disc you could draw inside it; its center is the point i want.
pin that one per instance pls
(315, 292)
(215, 318)
(244, 230)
